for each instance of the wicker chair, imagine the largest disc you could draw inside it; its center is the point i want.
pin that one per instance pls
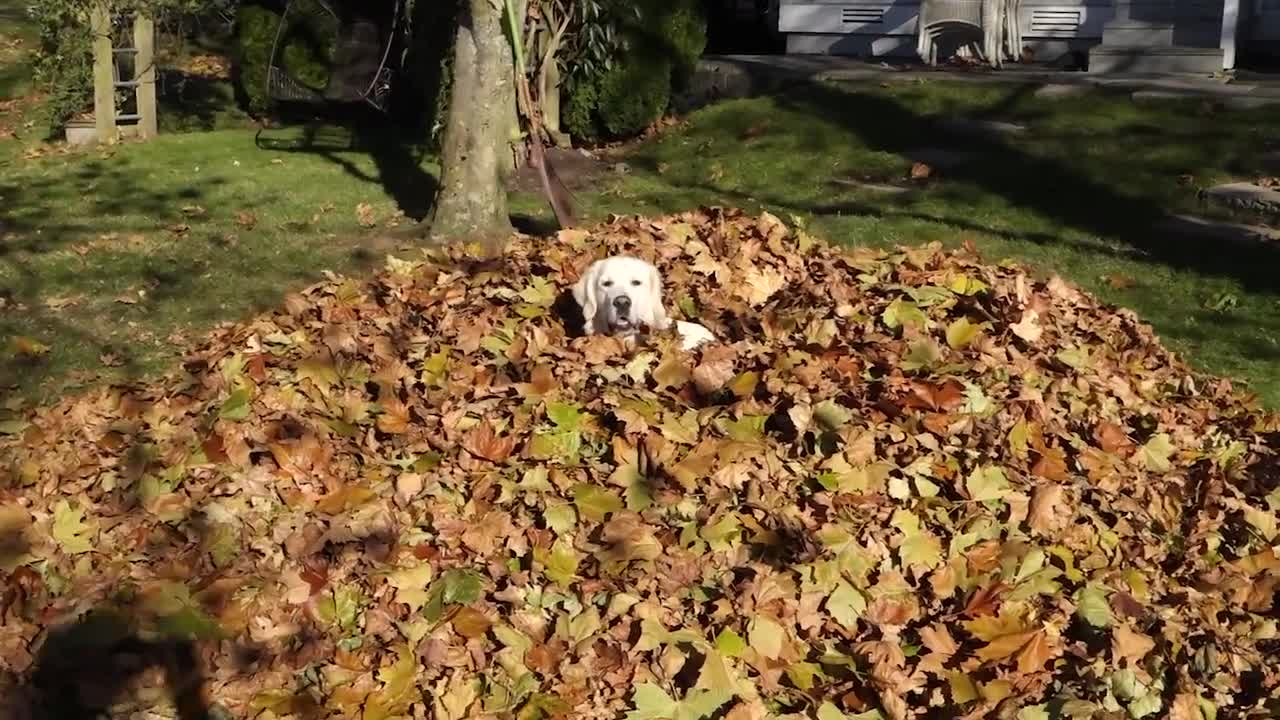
(987, 28)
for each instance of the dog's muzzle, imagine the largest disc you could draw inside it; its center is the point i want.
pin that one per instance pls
(622, 313)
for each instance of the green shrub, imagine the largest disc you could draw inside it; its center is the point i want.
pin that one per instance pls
(309, 42)
(64, 61)
(658, 46)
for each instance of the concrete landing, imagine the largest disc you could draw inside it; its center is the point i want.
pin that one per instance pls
(1245, 196)
(1109, 59)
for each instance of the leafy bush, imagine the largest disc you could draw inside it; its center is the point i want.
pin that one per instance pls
(655, 46)
(64, 59)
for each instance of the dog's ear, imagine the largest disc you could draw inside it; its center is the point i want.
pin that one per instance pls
(660, 319)
(584, 294)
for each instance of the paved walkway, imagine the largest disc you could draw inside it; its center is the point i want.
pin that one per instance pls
(738, 75)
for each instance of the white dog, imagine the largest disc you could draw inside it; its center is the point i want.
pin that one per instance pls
(620, 294)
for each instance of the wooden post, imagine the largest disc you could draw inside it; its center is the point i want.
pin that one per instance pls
(144, 72)
(104, 91)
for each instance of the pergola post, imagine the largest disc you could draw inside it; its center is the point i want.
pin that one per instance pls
(144, 69)
(104, 89)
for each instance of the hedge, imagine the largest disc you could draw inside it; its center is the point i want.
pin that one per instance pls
(658, 53)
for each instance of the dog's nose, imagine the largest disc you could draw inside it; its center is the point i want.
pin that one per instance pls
(622, 304)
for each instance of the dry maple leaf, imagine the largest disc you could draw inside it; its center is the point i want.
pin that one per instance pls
(920, 171)
(365, 215)
(484, 443)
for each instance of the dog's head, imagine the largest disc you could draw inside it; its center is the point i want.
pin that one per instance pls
(620, 294)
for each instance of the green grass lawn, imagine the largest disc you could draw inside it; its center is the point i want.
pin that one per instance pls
(106, 254)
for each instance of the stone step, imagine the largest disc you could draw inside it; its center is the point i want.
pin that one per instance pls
(1245, 196)
(1140, 59)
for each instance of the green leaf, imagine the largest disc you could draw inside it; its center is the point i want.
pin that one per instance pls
(12, 427)
(562, 563)
(723, 534)
(831, 415)
(652, 703)
(846, 605)
(594, 502)
(560, 517)
(1092, 605)
(965, 285)
(922, 353)
(987, 483)
(1077, 358)
(730, 643)
(70, 531)
(461, 586)
(236, 406)
(566, 416)
(411, 585)
(1034, 712)
(766, 637)
(901, 312)
(961, 333)
(749, 428)
(340, 607)
(804, 675)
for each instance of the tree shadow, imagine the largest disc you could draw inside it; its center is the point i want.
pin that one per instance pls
(331, 132)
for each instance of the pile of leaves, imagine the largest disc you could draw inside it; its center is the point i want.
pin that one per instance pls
(905, 484)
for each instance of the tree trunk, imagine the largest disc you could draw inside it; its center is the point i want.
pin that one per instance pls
(471, 202)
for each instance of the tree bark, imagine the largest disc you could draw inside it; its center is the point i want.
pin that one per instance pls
(471, 202)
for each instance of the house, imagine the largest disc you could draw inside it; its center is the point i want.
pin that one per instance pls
(1129, 35)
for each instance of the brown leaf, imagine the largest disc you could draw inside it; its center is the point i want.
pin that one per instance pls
(1047, 513)
(715, 369)
(471, 623)
(1052, 465)
(484, 443)
(1112, 438)
(1038, 651)
(920, 171)
(365, 215)
(246, 219)
(1130, 644)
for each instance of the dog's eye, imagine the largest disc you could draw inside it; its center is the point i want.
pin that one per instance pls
(637, 283)
(607, 283)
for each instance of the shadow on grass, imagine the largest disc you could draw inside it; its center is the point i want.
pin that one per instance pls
(329, 132)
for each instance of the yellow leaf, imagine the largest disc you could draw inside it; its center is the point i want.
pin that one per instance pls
(70, 530)
(961, 333)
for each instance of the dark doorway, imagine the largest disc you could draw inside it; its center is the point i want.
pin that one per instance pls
(743, 27)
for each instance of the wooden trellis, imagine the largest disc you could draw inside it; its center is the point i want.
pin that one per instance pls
(109, 124)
